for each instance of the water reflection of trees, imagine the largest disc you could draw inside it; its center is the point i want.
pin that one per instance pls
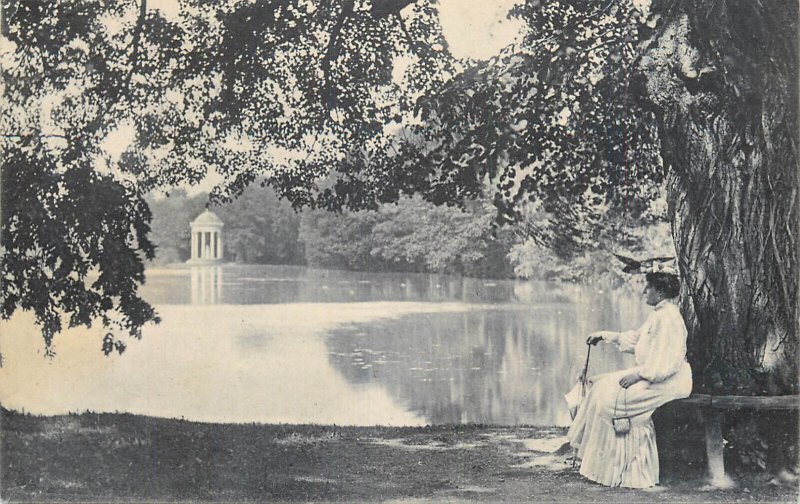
(505, 364)
(507, 360)
(259, 284)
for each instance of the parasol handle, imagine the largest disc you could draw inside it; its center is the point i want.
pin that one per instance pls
(585, 377)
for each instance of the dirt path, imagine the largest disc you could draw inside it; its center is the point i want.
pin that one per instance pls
(130, 458)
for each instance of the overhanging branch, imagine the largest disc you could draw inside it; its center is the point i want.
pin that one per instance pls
(385, 8)
(331, 53)
(124, 86)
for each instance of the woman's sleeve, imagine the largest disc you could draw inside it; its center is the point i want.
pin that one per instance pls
(626, 341)
(667, 349)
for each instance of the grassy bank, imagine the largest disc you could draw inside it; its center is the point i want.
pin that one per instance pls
(122, 457)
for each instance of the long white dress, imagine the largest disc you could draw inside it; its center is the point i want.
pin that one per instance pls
(631, 460)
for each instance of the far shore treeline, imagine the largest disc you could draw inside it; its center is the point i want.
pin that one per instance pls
(409, 236)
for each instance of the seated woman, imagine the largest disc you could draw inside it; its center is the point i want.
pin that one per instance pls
(626, 455)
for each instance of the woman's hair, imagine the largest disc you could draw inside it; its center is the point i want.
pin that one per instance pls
(665, 283)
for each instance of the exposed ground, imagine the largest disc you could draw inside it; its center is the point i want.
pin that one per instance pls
(120, 457)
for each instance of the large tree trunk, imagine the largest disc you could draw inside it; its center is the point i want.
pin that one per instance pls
(723, 77)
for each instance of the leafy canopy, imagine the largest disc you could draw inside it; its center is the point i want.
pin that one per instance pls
(337, 105)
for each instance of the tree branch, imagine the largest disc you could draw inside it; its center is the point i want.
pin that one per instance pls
(380, 9)
(94, 125)
(23, 137)
(648, 44)
(137, 35)
(409, 39)
(386, 8)
(331, 53)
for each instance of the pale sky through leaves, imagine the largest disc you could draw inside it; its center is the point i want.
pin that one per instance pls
(478, 29)
(474, 29)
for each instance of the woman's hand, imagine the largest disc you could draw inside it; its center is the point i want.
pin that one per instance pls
(595, 338)
(628, 380)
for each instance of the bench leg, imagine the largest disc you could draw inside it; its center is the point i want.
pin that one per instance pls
(714, 448)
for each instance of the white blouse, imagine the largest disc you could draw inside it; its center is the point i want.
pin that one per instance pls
(659, 346)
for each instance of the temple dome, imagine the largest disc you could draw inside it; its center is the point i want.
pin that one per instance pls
(206, 239)
(207, 219)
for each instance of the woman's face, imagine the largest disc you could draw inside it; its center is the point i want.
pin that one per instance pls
(652, 296)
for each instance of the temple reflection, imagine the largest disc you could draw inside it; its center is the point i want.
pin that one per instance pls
(206, 285)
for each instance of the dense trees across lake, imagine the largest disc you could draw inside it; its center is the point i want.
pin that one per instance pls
(410, 235)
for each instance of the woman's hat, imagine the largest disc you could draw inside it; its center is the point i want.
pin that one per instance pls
(666, 265)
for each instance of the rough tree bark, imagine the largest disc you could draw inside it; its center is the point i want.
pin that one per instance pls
(722, 77)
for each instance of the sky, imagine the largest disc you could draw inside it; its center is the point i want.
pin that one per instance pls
(478, 29)
(475, 29)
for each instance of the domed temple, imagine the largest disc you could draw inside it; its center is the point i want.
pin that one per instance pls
(206, 238)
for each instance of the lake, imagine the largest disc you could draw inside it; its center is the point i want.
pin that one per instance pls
(280, 344)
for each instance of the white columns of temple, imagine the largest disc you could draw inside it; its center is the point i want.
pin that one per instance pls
(206, 239)
(193, 252)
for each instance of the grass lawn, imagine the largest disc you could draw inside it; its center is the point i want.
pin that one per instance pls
(122, 457)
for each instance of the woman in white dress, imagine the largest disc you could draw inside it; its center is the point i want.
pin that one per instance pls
(627, 455)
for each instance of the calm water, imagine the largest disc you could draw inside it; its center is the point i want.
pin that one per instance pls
(290, 344)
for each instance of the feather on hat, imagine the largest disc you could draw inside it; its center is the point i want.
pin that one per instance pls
(666, 265)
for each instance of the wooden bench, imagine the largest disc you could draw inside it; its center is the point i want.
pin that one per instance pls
(713, 406)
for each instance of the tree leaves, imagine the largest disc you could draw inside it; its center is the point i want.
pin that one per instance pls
(552, 120)
(74, 241)
(341, 105)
